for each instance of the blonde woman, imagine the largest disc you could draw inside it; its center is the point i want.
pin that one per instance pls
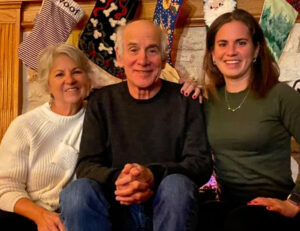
(39, 150)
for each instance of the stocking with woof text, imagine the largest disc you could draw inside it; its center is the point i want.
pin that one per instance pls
(166, 15)
(277, 19)
(53, 25)
(98, 37)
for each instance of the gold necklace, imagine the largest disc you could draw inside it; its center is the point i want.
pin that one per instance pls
(229, 108)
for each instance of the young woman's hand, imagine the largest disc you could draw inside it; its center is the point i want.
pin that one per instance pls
(191, 87)
(284, 207)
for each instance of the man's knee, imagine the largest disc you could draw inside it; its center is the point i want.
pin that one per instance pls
(178, 189)
(177, 183)
(175, 205)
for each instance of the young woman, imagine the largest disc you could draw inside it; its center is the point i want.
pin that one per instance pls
(250, 119)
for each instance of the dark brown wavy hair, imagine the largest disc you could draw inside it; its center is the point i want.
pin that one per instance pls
(265, 70)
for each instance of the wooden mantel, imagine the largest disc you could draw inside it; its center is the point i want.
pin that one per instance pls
(16, 16)
(10, 74)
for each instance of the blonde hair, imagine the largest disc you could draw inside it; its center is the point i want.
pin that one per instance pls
(49, 54)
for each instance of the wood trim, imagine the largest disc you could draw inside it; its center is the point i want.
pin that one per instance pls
(10, 79)
(191, 15)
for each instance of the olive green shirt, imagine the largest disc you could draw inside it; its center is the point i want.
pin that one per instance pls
(251, 146)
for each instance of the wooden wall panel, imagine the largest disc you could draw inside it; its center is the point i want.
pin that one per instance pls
(191, 15)
(10, 87)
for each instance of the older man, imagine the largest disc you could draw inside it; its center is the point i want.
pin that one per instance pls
(143, 151)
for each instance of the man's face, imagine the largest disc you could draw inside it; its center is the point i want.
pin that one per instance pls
(141, 58)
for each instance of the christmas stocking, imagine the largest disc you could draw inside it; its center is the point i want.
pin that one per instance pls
(165, 15)
(53, 25)
(296, 83)
(277, 20)
(215, 8)
(98, 37)
(295, 4)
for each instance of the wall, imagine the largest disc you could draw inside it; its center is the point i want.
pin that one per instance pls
(189, 43)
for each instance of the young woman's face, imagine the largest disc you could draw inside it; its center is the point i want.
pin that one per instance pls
(234, 51)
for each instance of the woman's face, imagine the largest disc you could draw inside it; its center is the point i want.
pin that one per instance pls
(68, 83)
(234, 50)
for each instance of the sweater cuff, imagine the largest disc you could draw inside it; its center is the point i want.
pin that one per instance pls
(296, 189)
(158, 172)
(110, 187)
(7, 202)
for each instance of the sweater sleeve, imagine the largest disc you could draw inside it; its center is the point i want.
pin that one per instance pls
(290, 114)
(196, 160)
(94, 161)
(14, 154)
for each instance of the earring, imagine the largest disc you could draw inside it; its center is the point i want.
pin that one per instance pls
(214, 62)
(254, 60)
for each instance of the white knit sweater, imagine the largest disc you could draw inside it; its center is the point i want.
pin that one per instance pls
(38, 154)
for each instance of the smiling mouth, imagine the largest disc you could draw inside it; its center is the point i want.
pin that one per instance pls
(143, 71)
(72, 89)
(232, 61)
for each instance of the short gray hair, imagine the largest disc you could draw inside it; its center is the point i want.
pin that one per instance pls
(163, 40)
(49, 54)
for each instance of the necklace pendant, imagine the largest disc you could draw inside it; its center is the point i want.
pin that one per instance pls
(233, 109)
(239, 106)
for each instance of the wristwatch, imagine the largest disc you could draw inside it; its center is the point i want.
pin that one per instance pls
(294, 198)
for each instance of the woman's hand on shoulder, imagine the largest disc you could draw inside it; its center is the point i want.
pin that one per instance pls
(191, 87)
(284, 207)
